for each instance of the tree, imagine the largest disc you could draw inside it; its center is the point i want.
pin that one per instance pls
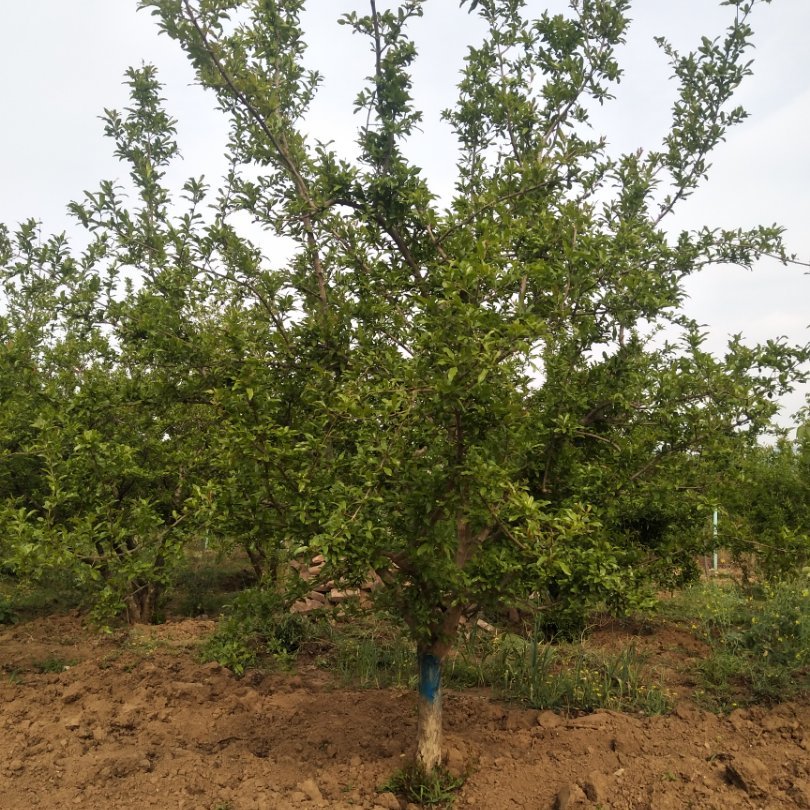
(766, 508)
(479, 368)
(146, 401)
(104, 416)
(650, 460)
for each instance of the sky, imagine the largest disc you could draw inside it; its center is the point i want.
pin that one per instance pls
(62, 63)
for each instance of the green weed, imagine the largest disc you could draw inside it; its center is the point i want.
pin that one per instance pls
(554, 676)
(371, 654)
(573, 678)
(14, 676)
(232, 653)
(529, 671)
(760, 640)
(52, 664)
(708, 608)
(434, 789)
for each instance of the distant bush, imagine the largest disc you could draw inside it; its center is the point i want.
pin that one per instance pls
(767, 505)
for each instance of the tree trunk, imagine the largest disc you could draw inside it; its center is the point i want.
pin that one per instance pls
(429, 723)
(257, 560)
(142, 602)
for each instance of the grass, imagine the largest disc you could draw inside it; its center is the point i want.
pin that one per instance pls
(206, 584)
(14, 675)
(708, 608)
(370, 652)
(759, 640)
(52, 664)
(23, 599)
(434, 789)
(568, 677)
(373, 652)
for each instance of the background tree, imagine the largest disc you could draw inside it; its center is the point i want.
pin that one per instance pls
(104, 403)
(766, 512)
(159, 388)
(651, 440)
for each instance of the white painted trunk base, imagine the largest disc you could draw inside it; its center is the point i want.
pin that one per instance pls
(429, 733)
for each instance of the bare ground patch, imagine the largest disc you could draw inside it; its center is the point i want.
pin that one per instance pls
(135, 721)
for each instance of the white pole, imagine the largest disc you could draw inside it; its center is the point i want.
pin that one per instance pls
(714, 535)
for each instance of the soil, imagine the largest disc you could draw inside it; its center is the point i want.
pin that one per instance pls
(135, 721)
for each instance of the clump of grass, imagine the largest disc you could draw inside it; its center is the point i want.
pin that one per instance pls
(709, 608)
(52, 664)
(568, 677)
(436, 788)
(529, 671)
(13, 674)
(371, 653)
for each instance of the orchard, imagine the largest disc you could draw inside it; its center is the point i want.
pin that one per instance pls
(492, 404)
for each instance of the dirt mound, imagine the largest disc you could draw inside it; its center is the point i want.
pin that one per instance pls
(136, 722)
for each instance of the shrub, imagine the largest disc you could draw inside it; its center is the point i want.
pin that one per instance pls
(257, 624)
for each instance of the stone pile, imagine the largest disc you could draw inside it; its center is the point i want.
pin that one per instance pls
(325, 594)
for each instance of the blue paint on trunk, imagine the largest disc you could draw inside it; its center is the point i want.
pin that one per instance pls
(430, 676)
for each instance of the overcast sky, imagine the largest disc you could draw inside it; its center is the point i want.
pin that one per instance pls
(62, 62)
